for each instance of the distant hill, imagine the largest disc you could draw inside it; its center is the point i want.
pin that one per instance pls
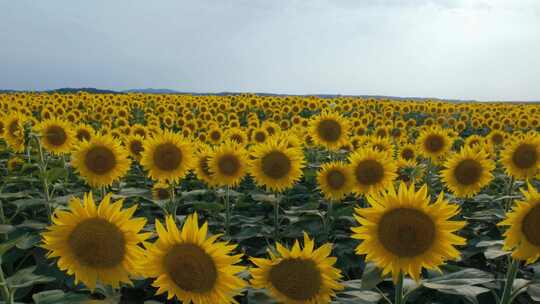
(169, 91)
(88, 90)
(152, 91)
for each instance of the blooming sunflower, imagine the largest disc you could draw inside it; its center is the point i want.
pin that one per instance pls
(228, 163)
(15, 164)
(167, 157)
(373, 170)
(300, 275)
(84, 132)
(161, 191)
(96, 243)
(101, 161)
(523, 236)
(335, 180)
(275, 165)
(56, 135)
(521, 158)
(215, 135)
(14, 131)
(402, 232)
(467, 172)
(191, 266)
(135, 145)
(407, 152)
(434, 143)
(330, 130)
(201, 168)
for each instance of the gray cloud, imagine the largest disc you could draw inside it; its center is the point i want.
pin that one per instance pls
(449, 48)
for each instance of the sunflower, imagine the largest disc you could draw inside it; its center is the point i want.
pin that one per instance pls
(167, 157)
(84, 132)
(161, 191)
(330, 130)
(496, 138)
(300, 275)
(15, 164)
(521, 158)
(101, 161)
(192, 266)
(96, 243)
(402, 232)
(409, 171)
(467, 172)
(275, 165)
(259, 135)
(228, 163)
(523, 236)
(56, 135)
(407, 152)
(237, 135)
(135, 145)
(373, 170)
(14, 131)
(201, 168)
(335, 180)
(434, 143)
(215, 135)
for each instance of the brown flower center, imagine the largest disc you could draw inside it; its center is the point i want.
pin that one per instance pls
(406, 232)
(167, 157)
(55, 135)
(335, 179)
(100, 160)
(329, 130)
(228, 164)
(215, 136)
(369, 172)
(530, 226)
(191, 268)
(525, 156)
(276, 164)
(434, 143)
(83, 135)
(298, 279)
(97, 243)
(136, 147)
(407, 154)
(260, 137)
(468, 172)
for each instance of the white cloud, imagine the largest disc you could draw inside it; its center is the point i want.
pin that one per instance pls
(448, 48)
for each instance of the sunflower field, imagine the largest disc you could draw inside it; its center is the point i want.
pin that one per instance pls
(149, 198)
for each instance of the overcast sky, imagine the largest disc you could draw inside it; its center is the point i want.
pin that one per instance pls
(468, 49)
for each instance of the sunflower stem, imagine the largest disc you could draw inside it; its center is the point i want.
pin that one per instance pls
(399, 290)
(508, 202)
(4, 288)
(276, 218)
(43, 176)
(171, 210)
(513, 268)
(227, 212)
(329, 213)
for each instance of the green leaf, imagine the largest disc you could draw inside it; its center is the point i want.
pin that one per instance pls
(5, 228)
(24, 203)
(55, 173)
(57, 296)
(534, 291)
(6, 246)
(371, 277)
(461, 283)
(205, 206)
(28, 241)
(26, 278)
